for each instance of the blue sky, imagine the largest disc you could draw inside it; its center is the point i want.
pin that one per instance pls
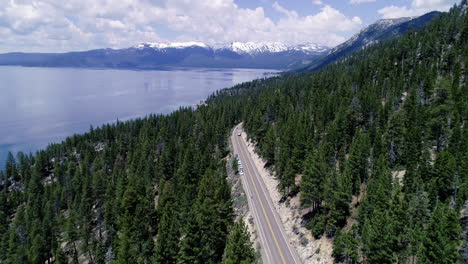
(306, 7)
(58, 25)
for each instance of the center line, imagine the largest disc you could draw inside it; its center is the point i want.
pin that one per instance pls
(266, 217)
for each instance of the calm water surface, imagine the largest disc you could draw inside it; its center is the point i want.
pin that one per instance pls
(44, 105)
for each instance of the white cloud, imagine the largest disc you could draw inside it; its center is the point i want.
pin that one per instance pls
(317, 2)
(417, 8)
(57, 25)
(361, 1)
(324, 26)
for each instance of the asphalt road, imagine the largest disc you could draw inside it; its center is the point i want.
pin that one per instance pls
(274, 242)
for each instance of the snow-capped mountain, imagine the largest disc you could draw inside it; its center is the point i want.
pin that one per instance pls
(184, 54)
(152, 55)
(273, 47)
(379, 31)
(251, 48)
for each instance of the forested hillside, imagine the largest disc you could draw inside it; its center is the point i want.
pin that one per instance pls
(107, 195)
(380, 141)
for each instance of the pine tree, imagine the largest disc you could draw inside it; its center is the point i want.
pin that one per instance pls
(17, 239)
(134, 225)
(269, 145)
(3, 230)
(313, 180)
(356, 166)
(60, 257)
(239, 248)
(37, 250)
(72, 235)
(442, 237)
(444, 174)
(418, 215)
(167, 245)
(190, 243)
(378, 238)
(207, 228)
(11, 169)
(412, 139)
(440, 112)
(336, 204)
(345, 247)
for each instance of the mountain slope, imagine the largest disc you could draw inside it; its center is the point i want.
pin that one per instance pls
(183, 54)
(381, 30)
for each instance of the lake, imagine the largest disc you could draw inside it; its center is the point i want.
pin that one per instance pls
(39, 106)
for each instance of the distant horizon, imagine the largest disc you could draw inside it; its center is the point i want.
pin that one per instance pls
(213, 46)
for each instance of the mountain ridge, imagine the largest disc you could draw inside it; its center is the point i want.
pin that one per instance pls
(152, 55)
(381, 30)
(238, 47)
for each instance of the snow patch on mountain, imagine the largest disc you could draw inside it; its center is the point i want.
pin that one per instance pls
(379, 25)
(311, 47)
(251, 47)
(173, 45)
(386, 23)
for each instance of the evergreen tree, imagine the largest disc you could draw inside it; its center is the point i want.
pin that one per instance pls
(442, 237)
(444, 175)
(356, 166)
(238, 246)
(167, 245)
(378, 238)
(207, 229)
(133, 226)
(313, 180)
(345, 248)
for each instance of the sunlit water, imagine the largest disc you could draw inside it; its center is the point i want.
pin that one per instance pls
(44, 105)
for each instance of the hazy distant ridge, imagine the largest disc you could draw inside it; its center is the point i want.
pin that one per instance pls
(185, 54)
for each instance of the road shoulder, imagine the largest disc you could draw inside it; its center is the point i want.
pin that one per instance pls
(310, 250)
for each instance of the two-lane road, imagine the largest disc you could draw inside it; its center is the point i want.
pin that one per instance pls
(274, 241)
